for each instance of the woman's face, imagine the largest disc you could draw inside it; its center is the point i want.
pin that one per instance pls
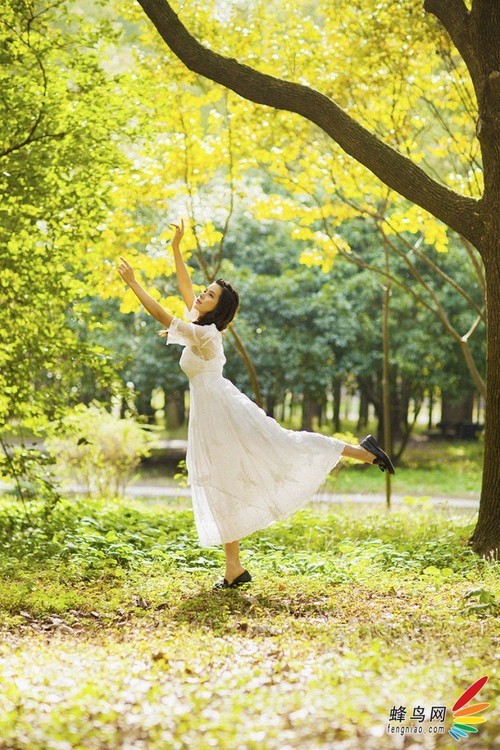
(207, 300)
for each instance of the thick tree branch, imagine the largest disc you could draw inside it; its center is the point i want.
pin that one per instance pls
(394, 169)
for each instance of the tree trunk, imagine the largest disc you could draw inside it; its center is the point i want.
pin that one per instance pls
(245, 356)
(270, 404)
(364, 406)
(175, 409)
(431, 408)
(337, 400)
(307, 412)
(486, 537)
(455, 413)
(144, 406)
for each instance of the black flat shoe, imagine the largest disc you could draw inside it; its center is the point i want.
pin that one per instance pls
(245, 577)
(382, 461)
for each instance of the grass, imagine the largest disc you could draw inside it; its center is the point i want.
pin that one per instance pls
(113, 638)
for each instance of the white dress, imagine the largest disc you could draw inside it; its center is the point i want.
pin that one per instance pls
(244, 469)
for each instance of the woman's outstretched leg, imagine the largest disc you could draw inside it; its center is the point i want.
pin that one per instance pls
(370, 452)
(361, 454)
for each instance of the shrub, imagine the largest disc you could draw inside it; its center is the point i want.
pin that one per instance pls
(99, 449)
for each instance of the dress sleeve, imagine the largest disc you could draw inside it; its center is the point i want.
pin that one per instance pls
(203, 339)
(192, 314)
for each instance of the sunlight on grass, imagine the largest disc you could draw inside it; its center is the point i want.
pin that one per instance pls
(112, 636)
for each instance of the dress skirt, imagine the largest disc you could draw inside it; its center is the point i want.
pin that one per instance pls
(244, 469)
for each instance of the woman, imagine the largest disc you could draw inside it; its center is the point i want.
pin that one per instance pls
(245, 470)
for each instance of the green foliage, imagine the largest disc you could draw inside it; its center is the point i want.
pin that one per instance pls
(181, 476)
(99, 449)
(481, 602)
(90, 540)
(32, 474)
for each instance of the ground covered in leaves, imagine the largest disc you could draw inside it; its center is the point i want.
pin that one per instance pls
(111, 635)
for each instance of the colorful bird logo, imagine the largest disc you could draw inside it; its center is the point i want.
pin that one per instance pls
(464, 718)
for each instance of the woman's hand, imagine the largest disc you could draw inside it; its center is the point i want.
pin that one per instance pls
(126, 271)
(179, 233)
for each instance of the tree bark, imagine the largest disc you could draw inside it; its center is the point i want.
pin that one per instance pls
(270, 404)
(454, 413)
(310, 409)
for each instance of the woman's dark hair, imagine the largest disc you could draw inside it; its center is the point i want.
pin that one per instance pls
(226, 309)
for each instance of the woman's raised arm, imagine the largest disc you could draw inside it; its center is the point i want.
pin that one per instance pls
(184, 284)
(152, 306)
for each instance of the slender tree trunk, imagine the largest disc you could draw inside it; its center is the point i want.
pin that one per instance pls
(431, 408)
(308, 412)
(144, 406)
(455, 414)
(175, 410)
(243, 352)
(364, 405)
(386, 387)
(337, 400)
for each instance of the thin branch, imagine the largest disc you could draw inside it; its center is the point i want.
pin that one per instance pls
(38, 119)
(434, 267)
(231, 188)
(461, 340)
(437, 310)
(29, 139)
(430, 291)
(474, 326)
(199, 249)
(471, 364)
(378, 216)
(15, 474)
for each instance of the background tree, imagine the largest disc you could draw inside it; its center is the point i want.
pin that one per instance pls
(57, 156)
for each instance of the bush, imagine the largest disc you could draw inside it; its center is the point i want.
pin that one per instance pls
(99, 449)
